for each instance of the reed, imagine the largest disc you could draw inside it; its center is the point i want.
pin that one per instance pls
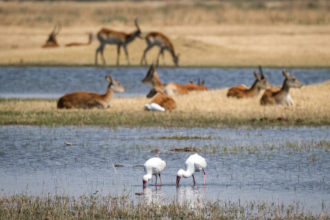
(200, 109)
(109, 207)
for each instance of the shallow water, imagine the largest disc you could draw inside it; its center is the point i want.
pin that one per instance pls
(53, 82)
(278, 165)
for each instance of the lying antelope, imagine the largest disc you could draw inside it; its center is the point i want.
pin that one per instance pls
(164, 43)
(281, 96)
(160, 101)
(73, 44)
(171, 88)
(241, 91)
(51, 41)
(88, 100)
(121, 39)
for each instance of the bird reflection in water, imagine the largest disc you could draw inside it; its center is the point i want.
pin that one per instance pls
(153, 195)
(191, 195)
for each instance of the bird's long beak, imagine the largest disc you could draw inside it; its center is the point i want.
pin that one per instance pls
(144, 184)
(177, 180)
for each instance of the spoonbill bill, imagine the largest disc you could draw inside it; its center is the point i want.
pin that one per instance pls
(194, 163)
(153, 166)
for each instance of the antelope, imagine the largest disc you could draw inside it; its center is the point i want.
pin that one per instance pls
(159, 98)
(51, 41)
(121, 39)
(90, 38)
(241, 91)
(160, 40)
(275, 96)
(88, 100)
(196, 87)
(171, 88)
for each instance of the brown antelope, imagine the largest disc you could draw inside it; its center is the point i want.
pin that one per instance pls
(73, 44)
(160, 99)
(196, 87)
(171, 88)
(241, 91)
(275, 96)
(88, 100)
(160, 40)
(51, 41)
(121, 39)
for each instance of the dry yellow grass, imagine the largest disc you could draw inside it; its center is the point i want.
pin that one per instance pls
(312, 104)
(282, 34)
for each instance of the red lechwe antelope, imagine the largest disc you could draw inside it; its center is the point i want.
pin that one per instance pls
(51, 41)
(276, 96)
(121, 39)
(241, 91)
(171, 88)
(160, 40)
(87, 100)
(73, 44)
(160, 99)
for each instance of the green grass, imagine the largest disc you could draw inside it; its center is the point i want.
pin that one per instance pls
(138, 119)
(108, 207)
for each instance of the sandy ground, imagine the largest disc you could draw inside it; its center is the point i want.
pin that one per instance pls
(223, 45)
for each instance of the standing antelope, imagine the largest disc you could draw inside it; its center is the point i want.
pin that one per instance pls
(160, 101)
(171, 88)
(241, 91)
(90, 38)
(51, 41)
(281, 96)
(108, 36)
(87, 100)
(160, 40)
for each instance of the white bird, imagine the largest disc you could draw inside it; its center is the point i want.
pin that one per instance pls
(153, 166)
(154, 107)
(194, 163)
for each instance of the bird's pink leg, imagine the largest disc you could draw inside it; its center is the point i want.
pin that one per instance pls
(160, 179)
(194, 179)
(204, 176)
(156, 179)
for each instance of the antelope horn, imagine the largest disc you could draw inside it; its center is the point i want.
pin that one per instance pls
(261, 72)
(57, 28)
(136, 23)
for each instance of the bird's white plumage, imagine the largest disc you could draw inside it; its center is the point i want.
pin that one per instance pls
(194, 163)
(153, 166)
(154, 107)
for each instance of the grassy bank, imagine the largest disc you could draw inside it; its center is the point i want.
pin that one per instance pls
(108, 207)
(221, 33)
(203, 109)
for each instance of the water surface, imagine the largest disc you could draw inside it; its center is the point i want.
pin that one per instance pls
(53, 82)
(281, 165)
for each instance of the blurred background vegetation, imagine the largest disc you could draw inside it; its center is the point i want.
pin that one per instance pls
(160, 12)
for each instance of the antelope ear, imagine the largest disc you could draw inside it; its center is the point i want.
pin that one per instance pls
(152, 93)
(285, 73)
(203, 83)
(108, 78)
(256, 75)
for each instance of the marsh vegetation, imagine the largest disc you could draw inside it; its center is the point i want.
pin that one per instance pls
(108, 207)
